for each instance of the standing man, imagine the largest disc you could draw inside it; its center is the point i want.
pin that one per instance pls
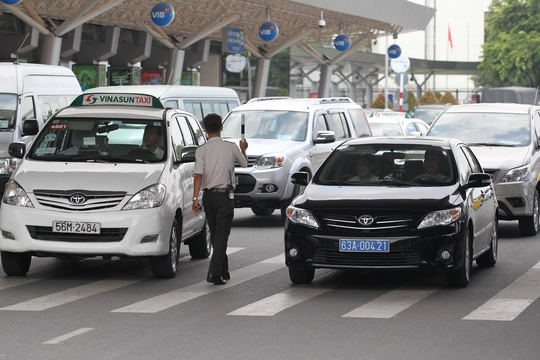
(214, 173)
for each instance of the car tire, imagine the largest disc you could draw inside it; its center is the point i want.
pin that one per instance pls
(15, 264)
(528, 226)
(165, 266)
(260, 211)
(200, 246)
(301, 276)
(489, 258)
(461, 276)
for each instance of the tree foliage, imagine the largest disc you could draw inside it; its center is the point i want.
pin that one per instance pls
(428, 98)
(412, 102)
(378, 103)
(448, 98)
(511, 53)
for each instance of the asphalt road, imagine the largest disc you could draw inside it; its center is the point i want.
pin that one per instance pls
(97, 309)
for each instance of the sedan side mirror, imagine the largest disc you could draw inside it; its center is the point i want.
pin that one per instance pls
(478, 180)
(300, 178)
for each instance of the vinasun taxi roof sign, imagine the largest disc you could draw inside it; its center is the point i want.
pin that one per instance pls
(100, 99)
(390, 114)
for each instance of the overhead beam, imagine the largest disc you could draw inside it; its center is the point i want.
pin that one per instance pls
(291, 40)
(212, 26)
(27, 19)
(72, 23)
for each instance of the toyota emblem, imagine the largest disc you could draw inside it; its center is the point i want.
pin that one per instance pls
(77, 199)
(365, 220)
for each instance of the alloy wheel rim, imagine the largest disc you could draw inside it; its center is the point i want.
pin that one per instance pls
(174, 249)
(208, 238)
(536, 212)
(467, 257)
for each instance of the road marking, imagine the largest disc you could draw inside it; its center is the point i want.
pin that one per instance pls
(176, 297)
(274, 304)
(230, 250)
(512, 300)
(9, 282)
(67, 336)
(391, 303)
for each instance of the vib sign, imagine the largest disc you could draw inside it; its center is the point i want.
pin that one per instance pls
(342, 42)
(268, 31)
(162, 14)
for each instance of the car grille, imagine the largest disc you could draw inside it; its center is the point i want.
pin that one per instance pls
(246, 184)
(384, 222)
(95, 200)
(252, 160)
(407, 257)
(106, 235)
(492, 172)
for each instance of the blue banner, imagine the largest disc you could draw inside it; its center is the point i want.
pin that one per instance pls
(235, 40)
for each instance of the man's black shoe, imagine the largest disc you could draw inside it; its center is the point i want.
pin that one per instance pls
(226, 276)
(216, 280)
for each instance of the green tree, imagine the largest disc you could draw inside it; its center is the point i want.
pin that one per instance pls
(378, 103)
(511, 53)
(428, 98)
(448, 98)
(412, 102)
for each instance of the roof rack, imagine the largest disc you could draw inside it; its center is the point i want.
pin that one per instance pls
(333, 100)
(266, 98)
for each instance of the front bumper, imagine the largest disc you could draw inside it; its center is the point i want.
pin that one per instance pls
(419, 250)
(254, 185)
(30, 230)
(515, 199)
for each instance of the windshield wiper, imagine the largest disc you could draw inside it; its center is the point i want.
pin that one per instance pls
(335, 182)
(490, 144)
(397, 183)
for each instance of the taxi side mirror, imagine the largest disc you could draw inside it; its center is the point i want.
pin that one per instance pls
(17, 149)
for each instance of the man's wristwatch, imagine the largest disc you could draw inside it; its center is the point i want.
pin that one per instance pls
(194, 198)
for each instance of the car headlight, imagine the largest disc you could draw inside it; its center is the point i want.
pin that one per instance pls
(148, 198)
(270, 161)
(518, 174)
(8, 165)
(301, 216)
(15, 195)
(443, 217)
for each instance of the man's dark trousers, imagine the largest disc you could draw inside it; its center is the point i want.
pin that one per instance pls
(219, 210)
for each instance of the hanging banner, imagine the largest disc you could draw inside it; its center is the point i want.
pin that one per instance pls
(268, 31)
(342, 42)
(152, 77)
(162, 14)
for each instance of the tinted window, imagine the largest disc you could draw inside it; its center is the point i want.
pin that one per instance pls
(336, 125)
(8, 105)
(267, 124)
(28, 108)
(360, 122)
(189, 140)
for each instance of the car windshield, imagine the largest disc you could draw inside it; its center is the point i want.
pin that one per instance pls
(8, 107)
(77, 139)
(484, 128)
(388, 165)
(385, 129)
(427, 115)
(267, 124)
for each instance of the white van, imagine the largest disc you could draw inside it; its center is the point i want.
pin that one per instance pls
(198, 100)
(30, 91)
(108, 176)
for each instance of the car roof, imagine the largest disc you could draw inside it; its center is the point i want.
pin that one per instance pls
(432, 106)
(492, 107)
(404, 140)
(302, 104)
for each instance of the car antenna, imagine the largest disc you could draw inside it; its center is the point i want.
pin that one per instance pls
(172, 73)
(19, 49)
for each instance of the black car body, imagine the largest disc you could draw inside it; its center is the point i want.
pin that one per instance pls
(403, 220)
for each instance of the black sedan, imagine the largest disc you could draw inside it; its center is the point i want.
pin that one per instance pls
(390, 204)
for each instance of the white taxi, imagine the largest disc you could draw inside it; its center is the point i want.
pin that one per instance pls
(108, 176)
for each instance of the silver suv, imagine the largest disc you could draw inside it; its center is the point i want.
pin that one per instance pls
(286, 136)
(505, 139)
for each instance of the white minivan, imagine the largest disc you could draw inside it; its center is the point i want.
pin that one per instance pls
(198, 100)
(109, 176)
(29, 92)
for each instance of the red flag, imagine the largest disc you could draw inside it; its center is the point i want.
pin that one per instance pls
(450, 39)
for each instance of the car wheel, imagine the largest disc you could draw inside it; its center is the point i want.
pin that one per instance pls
(200, 246)
(301, 276)
(461, 276)
(262, 211)
(16, 264)
(166, 266)
(489, 258)
(528, 226)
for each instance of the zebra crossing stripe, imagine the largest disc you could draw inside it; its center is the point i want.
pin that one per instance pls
(8, 282)
(177, 297)
(512, 300)
(59, 339)
(391, 303)
(274, 304)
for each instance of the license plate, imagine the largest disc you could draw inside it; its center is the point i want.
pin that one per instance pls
(76, 227)
(364, 245)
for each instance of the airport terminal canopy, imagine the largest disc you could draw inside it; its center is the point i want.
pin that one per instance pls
(206, 18)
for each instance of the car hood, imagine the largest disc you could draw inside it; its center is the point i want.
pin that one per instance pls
(501, 157)
(130, 178)
(257, 147)
(379, 197)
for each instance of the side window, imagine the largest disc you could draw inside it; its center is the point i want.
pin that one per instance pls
(194, 107)
(177, 138)
(28, 108)
(207, 108)
(196, 129)
(410, 128)
(320, 124)
(223, 109)
(171, 103)
(336, 125)
(232, 104)
(189, 140)
(536, 126)
(473, 162)
(360, 122)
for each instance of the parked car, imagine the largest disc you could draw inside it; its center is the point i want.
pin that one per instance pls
(108, 176)
(440, 214)
(505, 138)
(428, 112)
(396, 123)
(286, 136)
